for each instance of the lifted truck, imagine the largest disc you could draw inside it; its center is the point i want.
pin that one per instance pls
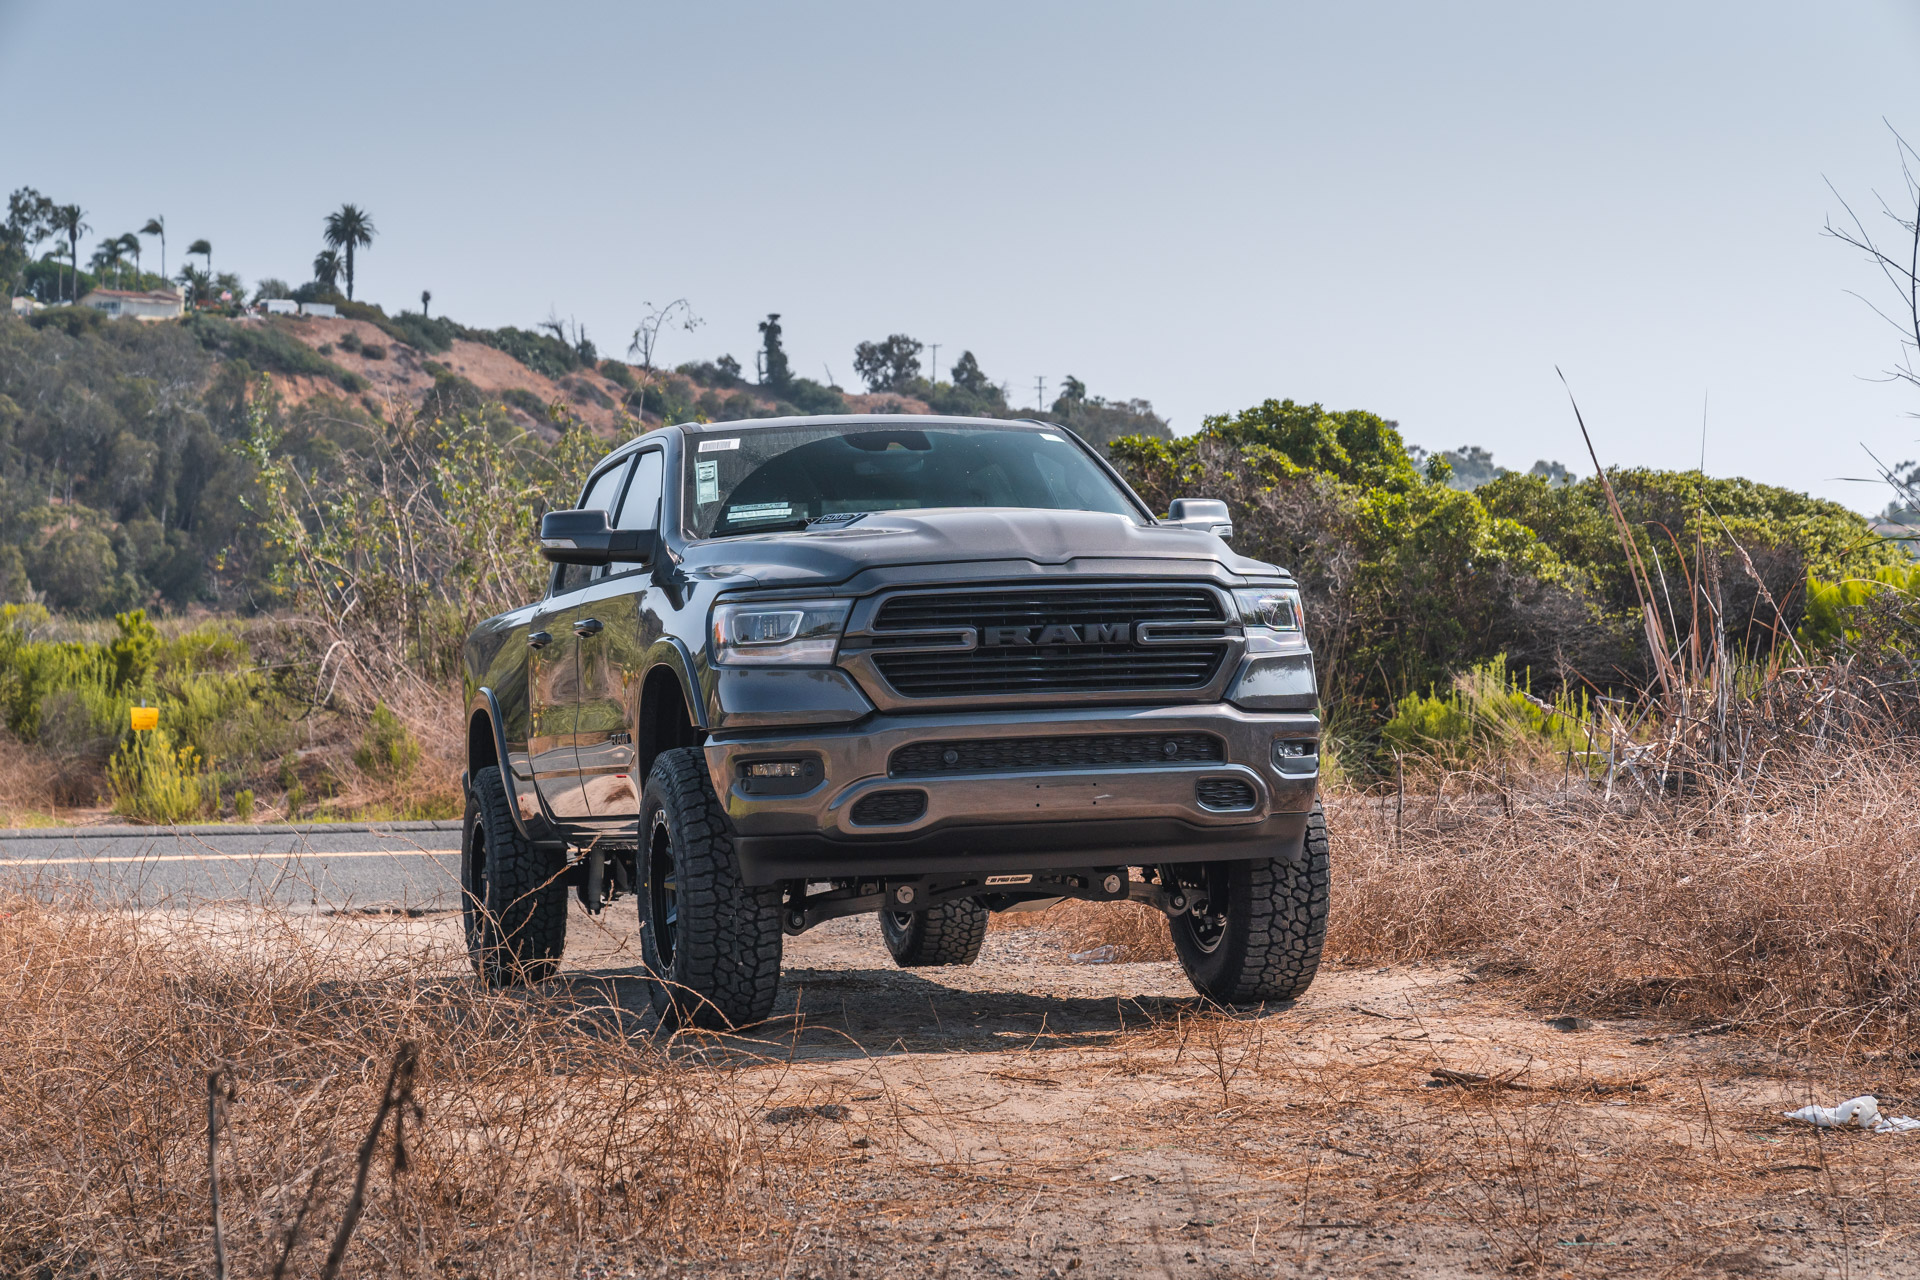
(799, 668)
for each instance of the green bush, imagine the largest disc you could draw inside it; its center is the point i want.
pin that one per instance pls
(387, 750)
(1834, 608)
(373, 351)
(152, 780)
(350, 341)
(243, 804)
(267, 346)
(1486, 712)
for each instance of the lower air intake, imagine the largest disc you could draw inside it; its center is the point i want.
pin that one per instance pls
(889, 808)
(1225, 794)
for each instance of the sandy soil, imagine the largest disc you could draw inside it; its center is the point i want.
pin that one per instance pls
(1034, 1116)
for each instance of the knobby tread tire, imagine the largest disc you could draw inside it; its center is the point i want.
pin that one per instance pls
(950, 933)
(725, 966)
(1275, 931)
(513, 904)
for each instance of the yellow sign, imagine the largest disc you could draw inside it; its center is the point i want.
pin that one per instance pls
(146, 718)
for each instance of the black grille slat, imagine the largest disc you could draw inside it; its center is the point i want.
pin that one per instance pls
(1184, 657)
(1025, 755)
(1226, 794)
(889, 808)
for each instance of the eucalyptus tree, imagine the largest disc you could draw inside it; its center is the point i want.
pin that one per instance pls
(349, 228)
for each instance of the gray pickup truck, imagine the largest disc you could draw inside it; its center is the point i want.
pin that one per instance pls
(799, 668)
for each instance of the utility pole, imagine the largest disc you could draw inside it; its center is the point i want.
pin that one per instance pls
(1039, 393)
(933, 369)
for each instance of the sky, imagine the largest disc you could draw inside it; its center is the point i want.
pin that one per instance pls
(1416, 209)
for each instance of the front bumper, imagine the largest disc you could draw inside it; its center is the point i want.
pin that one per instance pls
(1019, 820)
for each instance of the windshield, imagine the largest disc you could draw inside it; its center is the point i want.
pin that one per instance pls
(761, 479)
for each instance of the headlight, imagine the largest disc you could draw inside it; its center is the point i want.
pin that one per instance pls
(787, 633)
(1275, 608)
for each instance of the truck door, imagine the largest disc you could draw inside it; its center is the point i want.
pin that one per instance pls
(612, 658)
(553, 670)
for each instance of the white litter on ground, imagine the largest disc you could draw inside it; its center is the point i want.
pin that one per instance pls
(1107, 954)
(1863, 1111)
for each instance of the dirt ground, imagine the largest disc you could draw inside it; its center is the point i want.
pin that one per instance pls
(1034, 1116)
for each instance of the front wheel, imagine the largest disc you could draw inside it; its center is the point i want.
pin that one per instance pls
(710, 942)
(1256, 929)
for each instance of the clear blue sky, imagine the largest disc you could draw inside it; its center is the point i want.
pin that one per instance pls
(1417, 209)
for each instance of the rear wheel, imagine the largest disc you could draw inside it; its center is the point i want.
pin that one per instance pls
(950, 933)
(1256, 929)
(710, 942)
(512, 902)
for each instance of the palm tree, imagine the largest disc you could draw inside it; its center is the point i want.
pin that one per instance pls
(108, 257)
(199, 285)
(326, 267)
(349, 228)
(158, 227)
(130, 243)
(68, 221)
(205, 250)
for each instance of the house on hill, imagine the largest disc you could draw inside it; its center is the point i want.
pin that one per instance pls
(139, 304)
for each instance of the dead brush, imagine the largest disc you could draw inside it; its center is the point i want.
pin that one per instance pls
(1790, 904)
(1135, 930)
(546, 1126)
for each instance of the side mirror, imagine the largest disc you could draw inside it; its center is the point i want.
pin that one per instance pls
(582, 537)
(1209, 515)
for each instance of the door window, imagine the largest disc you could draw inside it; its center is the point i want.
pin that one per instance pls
(639, 508)
(603, 494)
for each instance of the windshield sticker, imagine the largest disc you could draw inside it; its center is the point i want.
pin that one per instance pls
(1048, 435)
(706, 482)
(761, 511)
(719, 446)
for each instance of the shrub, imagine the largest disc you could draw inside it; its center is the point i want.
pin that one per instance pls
(373, 351)
(1485, 713)
(1835, 608)
(350, 341)
(243, 805)
(152, 780)
(388, 750)
(268, 346)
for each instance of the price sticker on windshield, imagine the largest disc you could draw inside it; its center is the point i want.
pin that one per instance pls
(706, 482)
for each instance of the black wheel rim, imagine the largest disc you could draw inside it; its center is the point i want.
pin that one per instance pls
(663, 889)
(1207, 918)
(476, 887)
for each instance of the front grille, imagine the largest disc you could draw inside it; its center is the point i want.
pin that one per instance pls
(1189, 661)
(1025, 755)
(1225, 793)
(889, 808)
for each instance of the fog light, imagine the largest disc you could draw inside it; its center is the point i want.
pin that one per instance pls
(1295, 755)
(774, 769)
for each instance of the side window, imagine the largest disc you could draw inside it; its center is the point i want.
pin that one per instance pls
(641, 510)
(603, 492)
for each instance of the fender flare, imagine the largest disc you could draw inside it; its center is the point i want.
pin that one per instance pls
(672, 653)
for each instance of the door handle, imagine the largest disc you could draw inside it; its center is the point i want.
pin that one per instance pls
(538, 640)
(587, 627)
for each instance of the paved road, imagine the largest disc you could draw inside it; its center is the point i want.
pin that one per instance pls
(319, 865)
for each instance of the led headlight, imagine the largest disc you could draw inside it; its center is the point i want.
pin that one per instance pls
(1274, 608)
(786, 633)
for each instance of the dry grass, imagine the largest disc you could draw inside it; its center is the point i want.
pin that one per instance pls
(1793, 905)
(1134, 930)
(555, 1129)
(29, 782)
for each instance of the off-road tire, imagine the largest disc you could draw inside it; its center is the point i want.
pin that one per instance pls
(512, 902)
(1275, 925)
(950, 933)
(711, 943)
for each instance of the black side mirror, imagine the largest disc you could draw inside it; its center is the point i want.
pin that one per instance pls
(1209, 515)
(582, 537)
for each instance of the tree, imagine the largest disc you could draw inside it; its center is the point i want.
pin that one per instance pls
(197, 283)
(326, 268)
(271, 287)
(130, 243)
(426, 297)
(158, 227)
(349, 228)
(646, 338)
(774, 370)
(69, 221)
(205, 250)
(108, 256)
(1072, 396)
(889, 365)
(968, 376)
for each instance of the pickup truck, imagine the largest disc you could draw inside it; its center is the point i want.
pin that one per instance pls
(793, 669)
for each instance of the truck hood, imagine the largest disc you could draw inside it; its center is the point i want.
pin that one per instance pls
(1019, 539)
